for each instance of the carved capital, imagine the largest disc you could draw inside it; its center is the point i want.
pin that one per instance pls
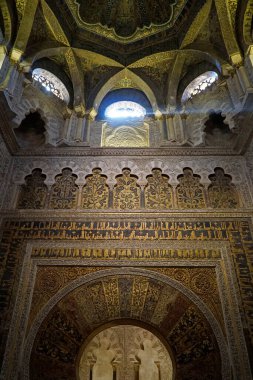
(80, 110)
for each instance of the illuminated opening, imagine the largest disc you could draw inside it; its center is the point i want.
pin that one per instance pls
(51, 83)
(199, 84)
(125, 109)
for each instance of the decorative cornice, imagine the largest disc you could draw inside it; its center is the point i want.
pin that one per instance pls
(75, 214)
(138, 152)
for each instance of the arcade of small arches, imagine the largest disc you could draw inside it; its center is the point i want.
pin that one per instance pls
(126, 163)
(126, 193)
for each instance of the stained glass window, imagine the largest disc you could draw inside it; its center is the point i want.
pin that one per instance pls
(51, 83)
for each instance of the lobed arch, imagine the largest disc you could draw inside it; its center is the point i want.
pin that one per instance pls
(133, 333)
(51, 121)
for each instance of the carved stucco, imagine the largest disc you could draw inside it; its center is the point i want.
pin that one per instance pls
(125, 350)
(227, 308)
(141, 167)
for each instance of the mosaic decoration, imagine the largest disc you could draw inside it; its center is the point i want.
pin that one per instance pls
(158, 193)
(34, 192)
(222, 193)
(50, 343)
(137, 297)
(95, 192)
(190, 193)
(201, 281)
(126, 193)
(191, 320)
(16, 233)
(64, 191)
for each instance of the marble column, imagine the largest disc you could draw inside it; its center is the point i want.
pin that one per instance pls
(243, 78)
(170, 127)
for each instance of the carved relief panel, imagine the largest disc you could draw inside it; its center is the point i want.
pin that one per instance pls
(190, 193)
(34, 192)
(222, 193)
(126, 353)
(64, 191)
(126, 193)
(95, 192)
(158, 193)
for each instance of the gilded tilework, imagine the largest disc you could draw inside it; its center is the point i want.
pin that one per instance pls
(222, 193)
(126, 193)
(95, 192)
(64, 191)
(34, 192)
(158, 193)
(190, 193)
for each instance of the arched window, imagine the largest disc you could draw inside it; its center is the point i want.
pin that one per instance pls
(125, 109)
(51, 83)
(199, 84)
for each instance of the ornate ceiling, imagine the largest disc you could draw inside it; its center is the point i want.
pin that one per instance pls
(127, 26)
(157, 47)
(129, 19)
